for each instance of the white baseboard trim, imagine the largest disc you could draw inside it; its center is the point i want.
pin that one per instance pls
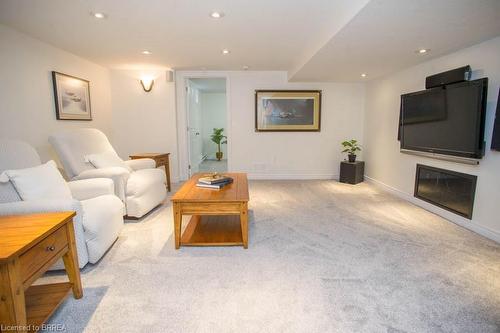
(457, 219)
(271, 176)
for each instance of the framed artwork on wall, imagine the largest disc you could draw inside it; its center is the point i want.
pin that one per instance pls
(287, 110)
(72, 97)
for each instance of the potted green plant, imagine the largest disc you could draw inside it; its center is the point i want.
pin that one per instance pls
(351, 147)
(219, 139)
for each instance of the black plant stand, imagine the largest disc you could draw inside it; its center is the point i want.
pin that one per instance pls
(352, 173)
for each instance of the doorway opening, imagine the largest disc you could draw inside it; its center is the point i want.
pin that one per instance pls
(207, 124)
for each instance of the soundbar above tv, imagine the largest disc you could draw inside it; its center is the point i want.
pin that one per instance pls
(446, 120)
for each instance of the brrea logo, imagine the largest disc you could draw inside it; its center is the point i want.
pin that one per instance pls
(53, 327)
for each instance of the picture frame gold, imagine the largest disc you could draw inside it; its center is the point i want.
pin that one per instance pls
(287, 110)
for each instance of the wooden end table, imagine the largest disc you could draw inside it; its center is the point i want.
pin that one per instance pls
(29, 246)
(161, 159)
(219, 217)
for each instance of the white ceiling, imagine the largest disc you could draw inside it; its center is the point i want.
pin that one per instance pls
(384, 35)
(262, 34)
(315, 40)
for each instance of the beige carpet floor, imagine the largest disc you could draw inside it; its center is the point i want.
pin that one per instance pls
(322, 257)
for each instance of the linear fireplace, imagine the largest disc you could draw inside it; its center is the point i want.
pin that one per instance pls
(451, 190)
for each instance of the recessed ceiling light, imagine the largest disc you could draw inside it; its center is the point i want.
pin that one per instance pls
(98, 15)
(146, 52)
(216, 15)
(245, 68)
(363, 75)
(422, 51)
(225, 51)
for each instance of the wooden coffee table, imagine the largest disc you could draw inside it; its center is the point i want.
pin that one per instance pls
(218, 217)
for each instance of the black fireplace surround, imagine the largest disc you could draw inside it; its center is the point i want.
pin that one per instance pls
(451, 190)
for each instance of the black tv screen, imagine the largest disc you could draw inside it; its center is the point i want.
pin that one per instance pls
(445, 120)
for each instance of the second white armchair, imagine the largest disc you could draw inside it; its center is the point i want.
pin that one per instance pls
(87, 153)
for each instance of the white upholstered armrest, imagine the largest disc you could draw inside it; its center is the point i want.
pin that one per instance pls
(118, 175)
(48, 206)
(90, 188)
(110, 172)
(141, 163)
(39, 206)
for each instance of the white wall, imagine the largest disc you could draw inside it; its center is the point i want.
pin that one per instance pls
(384, 162)
(213, 114)
(27, 109)
(298, 155)
(144, 121)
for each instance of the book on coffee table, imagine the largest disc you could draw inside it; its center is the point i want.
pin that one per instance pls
(215, 179)
(218, 185)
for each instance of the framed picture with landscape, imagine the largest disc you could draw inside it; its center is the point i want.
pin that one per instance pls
(287, 110)
(72, 97)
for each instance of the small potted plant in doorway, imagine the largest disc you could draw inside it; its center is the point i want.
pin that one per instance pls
(351, 147)
(219, 139)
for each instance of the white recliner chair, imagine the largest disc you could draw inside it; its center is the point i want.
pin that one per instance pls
(138, 183)
(99, 213)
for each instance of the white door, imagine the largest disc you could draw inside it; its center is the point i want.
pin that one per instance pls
(194, 129)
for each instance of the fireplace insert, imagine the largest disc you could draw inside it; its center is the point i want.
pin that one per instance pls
(451, 190)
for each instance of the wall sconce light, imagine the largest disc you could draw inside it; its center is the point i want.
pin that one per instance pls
(147, 84)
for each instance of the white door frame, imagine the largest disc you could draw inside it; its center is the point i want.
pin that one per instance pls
(181, 81)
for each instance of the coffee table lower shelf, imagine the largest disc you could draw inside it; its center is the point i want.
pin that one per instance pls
(213, 230)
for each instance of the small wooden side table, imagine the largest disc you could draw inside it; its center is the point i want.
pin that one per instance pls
(161, 159)
(29, 246)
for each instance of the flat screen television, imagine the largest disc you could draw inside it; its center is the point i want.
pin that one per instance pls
(445, 120)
